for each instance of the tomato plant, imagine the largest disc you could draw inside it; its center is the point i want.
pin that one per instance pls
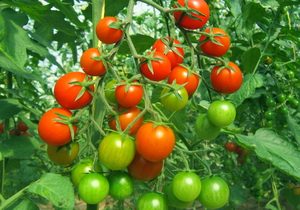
(126, 118)
(184, 77)
(217, 44)
(80, 170)
(70, 95)
(116, 151)
(106, 33)
(221, 113)
(152, 201)
(186, 186)
(52, 131)
(192, 20)
(129, 95)
(214, 193)
(171, 48)
(144, 170)
(63, 155)
(91, 66)
(120, 185)
(226, 79)
(154, 142)
(93, 188)
(156, 69)
(174, 100)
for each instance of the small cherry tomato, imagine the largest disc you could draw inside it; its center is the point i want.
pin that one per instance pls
(174, 100)
(129, 95)
(230, 146)
(89, 65)
(21, 126)
(106, 33)
(120, 185)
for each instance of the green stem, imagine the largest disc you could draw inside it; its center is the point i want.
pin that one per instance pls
(97, 13)
(155, 5)
(3, 176)
(92, 207)
(13, 198)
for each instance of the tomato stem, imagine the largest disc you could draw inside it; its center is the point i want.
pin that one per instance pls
(98, 10)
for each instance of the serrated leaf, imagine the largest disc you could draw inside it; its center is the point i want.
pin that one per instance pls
(141, 43)
(295, 127)
(9, 107)
(250, 60)
(251, 82)
(273, 149)
(55, 188)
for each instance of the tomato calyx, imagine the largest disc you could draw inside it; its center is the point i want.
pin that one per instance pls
(69, 121)
(170, 44)
(148, 59)
(211, 37)
(86, 86)
(187, 11)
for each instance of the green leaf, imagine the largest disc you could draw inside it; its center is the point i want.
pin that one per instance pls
(295, 127)
(272, 148)
(270, 3)
(250, 9)
(55, 188)
(235, 7)
(9, 107)
(251, 82)
(112, 9)
(18, 147)
(141, 43)
(250, 60)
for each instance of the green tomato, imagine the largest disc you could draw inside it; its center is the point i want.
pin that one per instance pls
(152, 201)
(174, 100)
(284, 110)
(80, 170)
(290, 74)
(116, 151)
(269, 115)
(120, 185)
(173, 201)
(215, 193)
(205, 129)
(186, 186)
(281, 98)
(109, 91)
(221, 113)
(93, 188)
(270, 102)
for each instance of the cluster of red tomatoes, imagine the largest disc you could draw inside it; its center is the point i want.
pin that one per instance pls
(20, 129)
(135, 146)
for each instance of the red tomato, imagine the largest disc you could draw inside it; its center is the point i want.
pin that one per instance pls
(91, 66)
(66, 93)
(226, 80)
(14, 132)
(129, 96)
(182, 76)
(126, 118)
(161, 68)
(2, 127)
(21, 126)
(198, 20)
(154, 142)
(210, 47)
(231, 147)
(105, 33)
(53, 132)
(171, 48)
(144, 170)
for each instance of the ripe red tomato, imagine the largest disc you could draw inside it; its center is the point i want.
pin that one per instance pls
(105, 33)
(21, 126)
(144, 170)
(171, 48)
(116, 151)
(66, 93)
(63, 155)
(91, 66)
(53, 132)
(2, 127)
(154, 142)
(226, 80)
(197, 20)
(129, 96)
(182, 76)
(93, 188)
(209, 47)
(126, 118)
(214, 193)
(161, 68)
(230, 146)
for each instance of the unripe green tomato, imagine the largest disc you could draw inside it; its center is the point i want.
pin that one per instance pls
(281, 98)
(290, 74)
(269, 115)
(270, 102)
(173, 201)
(109, 91)
(269, 123)
(120, 185)
(221, 113)
(205, 129)
(284, 110)
(93, 188)
(80, 170)
(172, 101)
(152, 201)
